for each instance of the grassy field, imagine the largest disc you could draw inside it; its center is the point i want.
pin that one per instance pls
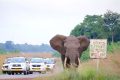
(109, 69)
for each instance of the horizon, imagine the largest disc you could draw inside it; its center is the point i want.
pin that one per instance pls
(25, 43)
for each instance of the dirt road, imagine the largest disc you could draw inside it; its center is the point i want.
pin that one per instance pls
(22, 77)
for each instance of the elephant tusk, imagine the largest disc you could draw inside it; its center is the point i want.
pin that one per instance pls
(79, 61)
(65, 62)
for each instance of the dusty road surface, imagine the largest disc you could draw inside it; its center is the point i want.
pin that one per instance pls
(19, 77)
(22, 77)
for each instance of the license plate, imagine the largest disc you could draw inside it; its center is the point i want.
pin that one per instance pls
(16, 69)
(48, 68)
(36, 69)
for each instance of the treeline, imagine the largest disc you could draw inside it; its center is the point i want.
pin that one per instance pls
(106, 26)
(10, 47)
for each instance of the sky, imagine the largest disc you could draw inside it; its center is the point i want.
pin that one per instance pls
(37, 21)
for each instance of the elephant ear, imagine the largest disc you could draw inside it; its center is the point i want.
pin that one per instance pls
(84, 43)
(57, 43)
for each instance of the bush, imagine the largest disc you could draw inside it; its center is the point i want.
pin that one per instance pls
(113, 47)
(56, 54)
(85, 55)
(2, 51)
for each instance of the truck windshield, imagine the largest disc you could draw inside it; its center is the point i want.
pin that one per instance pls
(18, 60)
(36, 60)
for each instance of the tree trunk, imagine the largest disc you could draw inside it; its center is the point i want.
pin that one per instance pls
(112, 37)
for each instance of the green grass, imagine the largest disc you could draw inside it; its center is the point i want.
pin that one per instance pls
(113, 47)
(84, 74)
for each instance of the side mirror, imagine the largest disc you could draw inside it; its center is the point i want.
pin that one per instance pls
(45, 62)
(27, 61)
(8, 62)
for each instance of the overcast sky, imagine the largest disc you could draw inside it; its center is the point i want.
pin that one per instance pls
(37, 21)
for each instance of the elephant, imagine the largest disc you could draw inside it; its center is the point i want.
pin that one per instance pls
(70, 48)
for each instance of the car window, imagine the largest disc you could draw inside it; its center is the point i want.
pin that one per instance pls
(36, 60)
(49, 61)
(18, 60)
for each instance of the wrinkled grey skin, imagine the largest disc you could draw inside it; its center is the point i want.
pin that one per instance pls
(70, 47)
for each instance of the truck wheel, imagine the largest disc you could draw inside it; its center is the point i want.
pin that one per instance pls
(4, 72)
(12, 73)
(25, 73)
(16, 72)
(28, 72)
(9, 73)
(20, 72)
(31, 72)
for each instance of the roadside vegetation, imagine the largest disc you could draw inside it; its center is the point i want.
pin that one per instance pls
(84, 74)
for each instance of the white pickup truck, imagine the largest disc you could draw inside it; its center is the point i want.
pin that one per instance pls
(17, 65)
(37, 65)
(50, 64)
(5, 66)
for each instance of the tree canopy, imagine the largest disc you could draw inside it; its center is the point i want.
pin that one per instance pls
(112, 24)
(99, 26)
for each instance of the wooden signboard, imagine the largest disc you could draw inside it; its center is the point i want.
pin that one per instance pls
(98, 48)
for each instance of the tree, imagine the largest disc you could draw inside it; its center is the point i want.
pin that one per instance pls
(112, 24)
(78, 30)
(92, 26)
(9, 46)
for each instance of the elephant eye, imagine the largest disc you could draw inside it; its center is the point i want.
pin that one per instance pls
(65, 47)
(64, 40)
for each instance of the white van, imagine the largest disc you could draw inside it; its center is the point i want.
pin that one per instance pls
(5, 65)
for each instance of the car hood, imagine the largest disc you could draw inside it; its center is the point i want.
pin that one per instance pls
(22, 64)
(50, 64)
(37, 64)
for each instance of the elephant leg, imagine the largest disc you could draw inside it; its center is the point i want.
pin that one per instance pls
(62, 59)
(68, 63)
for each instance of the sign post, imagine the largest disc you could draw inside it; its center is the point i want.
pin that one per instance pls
(98, 50)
